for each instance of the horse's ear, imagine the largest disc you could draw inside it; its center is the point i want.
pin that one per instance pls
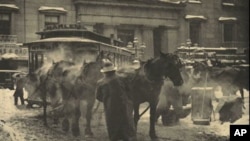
(100, 55)
(163, 54)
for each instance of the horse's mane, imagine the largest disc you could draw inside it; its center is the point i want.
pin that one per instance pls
(87, 67)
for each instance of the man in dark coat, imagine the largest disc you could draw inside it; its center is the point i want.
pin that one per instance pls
(19, 90)
(118, 106)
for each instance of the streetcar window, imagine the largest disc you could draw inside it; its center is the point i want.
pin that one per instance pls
(125, 35)
(51, 20)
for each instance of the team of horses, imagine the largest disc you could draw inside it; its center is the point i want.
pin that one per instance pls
(67, 86)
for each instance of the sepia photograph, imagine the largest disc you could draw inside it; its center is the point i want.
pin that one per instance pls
(124, 70)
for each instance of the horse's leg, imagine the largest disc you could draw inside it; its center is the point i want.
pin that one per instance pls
(45, 114)
(75, 122)
(44, 111)
(90, 104)
(136, 114)
(152, 133)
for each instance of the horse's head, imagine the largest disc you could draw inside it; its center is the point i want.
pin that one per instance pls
(91, 70)
(57, 70)
(171, 68)
(167, 65)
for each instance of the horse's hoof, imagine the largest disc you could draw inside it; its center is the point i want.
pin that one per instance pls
(65, 125)
(88, 133)
(75, 129)
(153, 137)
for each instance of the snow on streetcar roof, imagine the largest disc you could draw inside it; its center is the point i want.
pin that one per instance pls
(62, 39)
(71, 39)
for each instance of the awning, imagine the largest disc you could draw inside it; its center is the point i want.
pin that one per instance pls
(52, 9)
(197, 17)
(227, 19)
(9, 6)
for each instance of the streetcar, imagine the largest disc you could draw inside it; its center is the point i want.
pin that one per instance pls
(75, 43)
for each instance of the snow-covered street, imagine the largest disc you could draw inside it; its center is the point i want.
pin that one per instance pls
(27, 125)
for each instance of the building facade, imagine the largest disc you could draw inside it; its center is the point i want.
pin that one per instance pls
(161, 25)
(216, 23)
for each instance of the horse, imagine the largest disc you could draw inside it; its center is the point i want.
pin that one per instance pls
(67, 85)
(145, 83)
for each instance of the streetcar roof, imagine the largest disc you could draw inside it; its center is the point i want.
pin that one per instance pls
(71, 39)
(62, 40)
(13, 71)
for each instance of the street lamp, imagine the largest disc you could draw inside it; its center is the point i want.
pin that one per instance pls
(135, 43)
(142, 47)
(136, 48)
(188, 42)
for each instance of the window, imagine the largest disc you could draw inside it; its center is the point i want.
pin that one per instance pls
(5, 23)
(98, 28)
(228, 32)
(194, 32)
(125, 35)
(51, 20)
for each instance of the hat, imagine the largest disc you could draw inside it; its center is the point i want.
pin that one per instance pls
(108, 66)
(136, 64)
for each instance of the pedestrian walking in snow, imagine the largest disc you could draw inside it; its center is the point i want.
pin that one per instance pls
(19, 90)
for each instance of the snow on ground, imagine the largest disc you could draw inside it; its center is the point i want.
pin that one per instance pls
(26, 125)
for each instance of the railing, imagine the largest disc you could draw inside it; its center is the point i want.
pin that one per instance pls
(235, 44)
(229, 44)
(63, 26)
(8, 38)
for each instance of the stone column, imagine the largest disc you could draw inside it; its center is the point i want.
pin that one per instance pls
(164, 40)
(147, 38)
(172, 37)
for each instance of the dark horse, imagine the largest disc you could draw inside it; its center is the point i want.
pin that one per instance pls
(145, 83)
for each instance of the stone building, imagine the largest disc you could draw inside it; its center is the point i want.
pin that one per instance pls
(216, 23)
(159, 24)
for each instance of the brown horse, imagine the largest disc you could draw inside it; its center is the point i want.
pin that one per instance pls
(66, 85)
